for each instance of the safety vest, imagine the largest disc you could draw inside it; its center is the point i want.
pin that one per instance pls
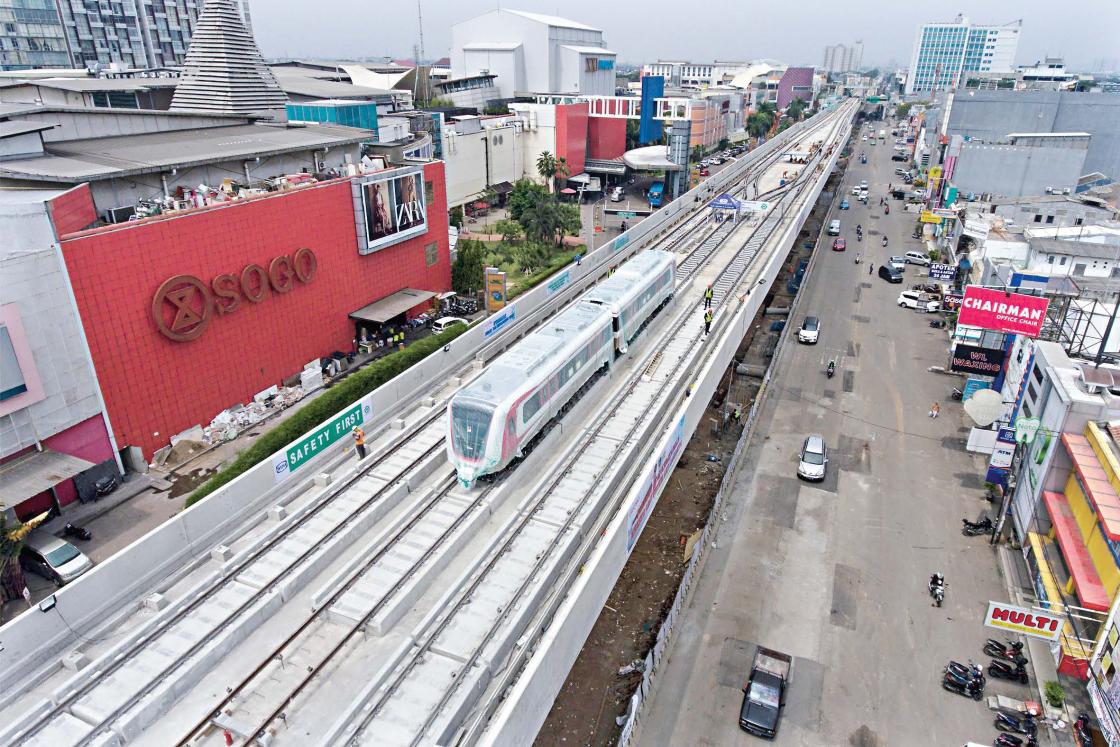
(360, 437)
(708, 317)
(708, 293)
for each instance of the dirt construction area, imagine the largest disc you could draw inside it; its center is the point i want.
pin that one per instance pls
(595, 693)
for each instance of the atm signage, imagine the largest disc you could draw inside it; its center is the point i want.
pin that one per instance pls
(184, 305)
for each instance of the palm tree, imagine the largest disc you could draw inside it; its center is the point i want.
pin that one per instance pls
(546, 167)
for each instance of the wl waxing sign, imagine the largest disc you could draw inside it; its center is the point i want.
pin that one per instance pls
(394, 208)
(1035, 623)
(314, 443)
(1001, 311)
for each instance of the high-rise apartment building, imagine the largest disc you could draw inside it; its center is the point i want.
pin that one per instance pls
(843, 58)
(943, 52)
(77, 33)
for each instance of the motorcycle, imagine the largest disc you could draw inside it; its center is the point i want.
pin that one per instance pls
(885, 241)
(1024, 724)
(965, 674)
(73, 530)
(972, 690)
(1005, 670)
(957, 394)
(1008, 740)
(1081, 730)
(974, 528)
(858, 258)
(937, 591)
(831, 370)
(998, 650)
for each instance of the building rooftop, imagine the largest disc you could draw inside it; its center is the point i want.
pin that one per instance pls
(551, 20)
(1109, 249)
(112, 157)
(87, 84)
(11, 129)
(299, 84)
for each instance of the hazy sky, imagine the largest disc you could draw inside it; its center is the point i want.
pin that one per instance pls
(1084, 31)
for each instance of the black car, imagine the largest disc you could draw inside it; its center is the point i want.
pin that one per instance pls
(891, 274)
(898, 157)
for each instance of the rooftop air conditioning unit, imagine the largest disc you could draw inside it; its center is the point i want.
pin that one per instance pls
(120, 214)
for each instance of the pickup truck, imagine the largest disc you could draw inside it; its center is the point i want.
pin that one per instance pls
(765, 693)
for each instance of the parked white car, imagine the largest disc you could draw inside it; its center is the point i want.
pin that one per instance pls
(917, 258)
(916, 300)
(899, 262)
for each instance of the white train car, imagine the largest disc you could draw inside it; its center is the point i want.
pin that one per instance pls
(635, 292)
(492, 419)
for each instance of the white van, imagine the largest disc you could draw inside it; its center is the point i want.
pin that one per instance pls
(441, 324)
(916, 300)
(834, 228)
(917, 258)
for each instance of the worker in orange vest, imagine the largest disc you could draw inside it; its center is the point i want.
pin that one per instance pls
(360, 442)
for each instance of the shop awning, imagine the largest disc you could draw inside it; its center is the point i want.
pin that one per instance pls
(30, 475)
(392, 306)
(1086, 580)
(502, 188)
(1101, 493)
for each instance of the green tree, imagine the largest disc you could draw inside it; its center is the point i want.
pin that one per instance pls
(456, 218)
(796, 109)
(12, 536)
(546, 167)
(548, 221)
(531, 255)
(633, 128)
(466, 273)
(902, 110)
(525, 194)
(510, 231)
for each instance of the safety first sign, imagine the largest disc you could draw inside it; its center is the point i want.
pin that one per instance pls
(1038, 624)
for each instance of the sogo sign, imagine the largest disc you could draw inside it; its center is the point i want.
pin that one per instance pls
(1004, 312)
(1021, 620)
(183, 305)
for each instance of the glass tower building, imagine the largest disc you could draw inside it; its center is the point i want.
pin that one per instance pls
(945, 52)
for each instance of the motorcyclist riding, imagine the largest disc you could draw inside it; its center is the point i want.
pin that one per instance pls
(884, 241)
(936, 580)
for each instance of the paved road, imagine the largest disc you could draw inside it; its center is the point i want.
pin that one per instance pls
(835, 573)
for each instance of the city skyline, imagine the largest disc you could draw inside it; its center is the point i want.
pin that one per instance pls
(1082, 38)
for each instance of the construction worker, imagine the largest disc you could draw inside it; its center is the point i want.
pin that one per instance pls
(708, 297)
(360, 442)
(707, 321)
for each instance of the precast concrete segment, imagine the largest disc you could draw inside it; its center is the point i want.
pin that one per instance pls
(502, 600)
(139, 688)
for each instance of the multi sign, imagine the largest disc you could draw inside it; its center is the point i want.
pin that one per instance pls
(975, 360)
(998, 310)
(184, 305)
(1035, 623)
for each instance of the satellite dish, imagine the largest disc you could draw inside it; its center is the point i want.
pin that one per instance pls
(985, 406)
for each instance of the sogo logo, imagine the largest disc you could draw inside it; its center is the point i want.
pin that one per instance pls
(184, 305)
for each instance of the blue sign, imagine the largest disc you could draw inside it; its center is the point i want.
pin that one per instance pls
(997, 476)
(1007, 435)
(499, 321)
(558, 282)
(606, 64)
(650, 129)
(972, 386)
(942, 272)
(620, 242)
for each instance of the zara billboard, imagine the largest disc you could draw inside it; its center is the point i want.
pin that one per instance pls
(394, 208)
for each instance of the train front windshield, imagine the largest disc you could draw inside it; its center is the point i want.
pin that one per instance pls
(469, 426)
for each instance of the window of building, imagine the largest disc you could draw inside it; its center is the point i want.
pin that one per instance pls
(1079, 221)
(1037, 218)
(431, 253)
(12, 381)
(1037, 373)
(1049, 218)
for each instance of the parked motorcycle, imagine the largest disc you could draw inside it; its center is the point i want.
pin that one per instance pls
(1009, 740)
(937, 588)
(937, 324)
(73, 530)
(957, 395)
(965, 673)
(1081, 730)
(973, 528)
(972, 690)
(1024, 724)
(1007, 670)
(999, 650)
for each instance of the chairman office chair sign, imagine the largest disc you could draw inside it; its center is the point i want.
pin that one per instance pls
(393, 208)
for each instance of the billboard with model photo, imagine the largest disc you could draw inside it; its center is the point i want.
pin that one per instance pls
(394, 207)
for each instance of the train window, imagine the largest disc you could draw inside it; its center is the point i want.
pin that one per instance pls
(533, 405)
(469, 427)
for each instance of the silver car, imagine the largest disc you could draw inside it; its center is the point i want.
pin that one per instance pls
(814, 459)
(52, 558)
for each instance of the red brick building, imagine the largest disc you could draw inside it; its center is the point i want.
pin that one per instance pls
(255, 288)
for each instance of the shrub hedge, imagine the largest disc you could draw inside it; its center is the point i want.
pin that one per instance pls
(538, 277)
(322, 408)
